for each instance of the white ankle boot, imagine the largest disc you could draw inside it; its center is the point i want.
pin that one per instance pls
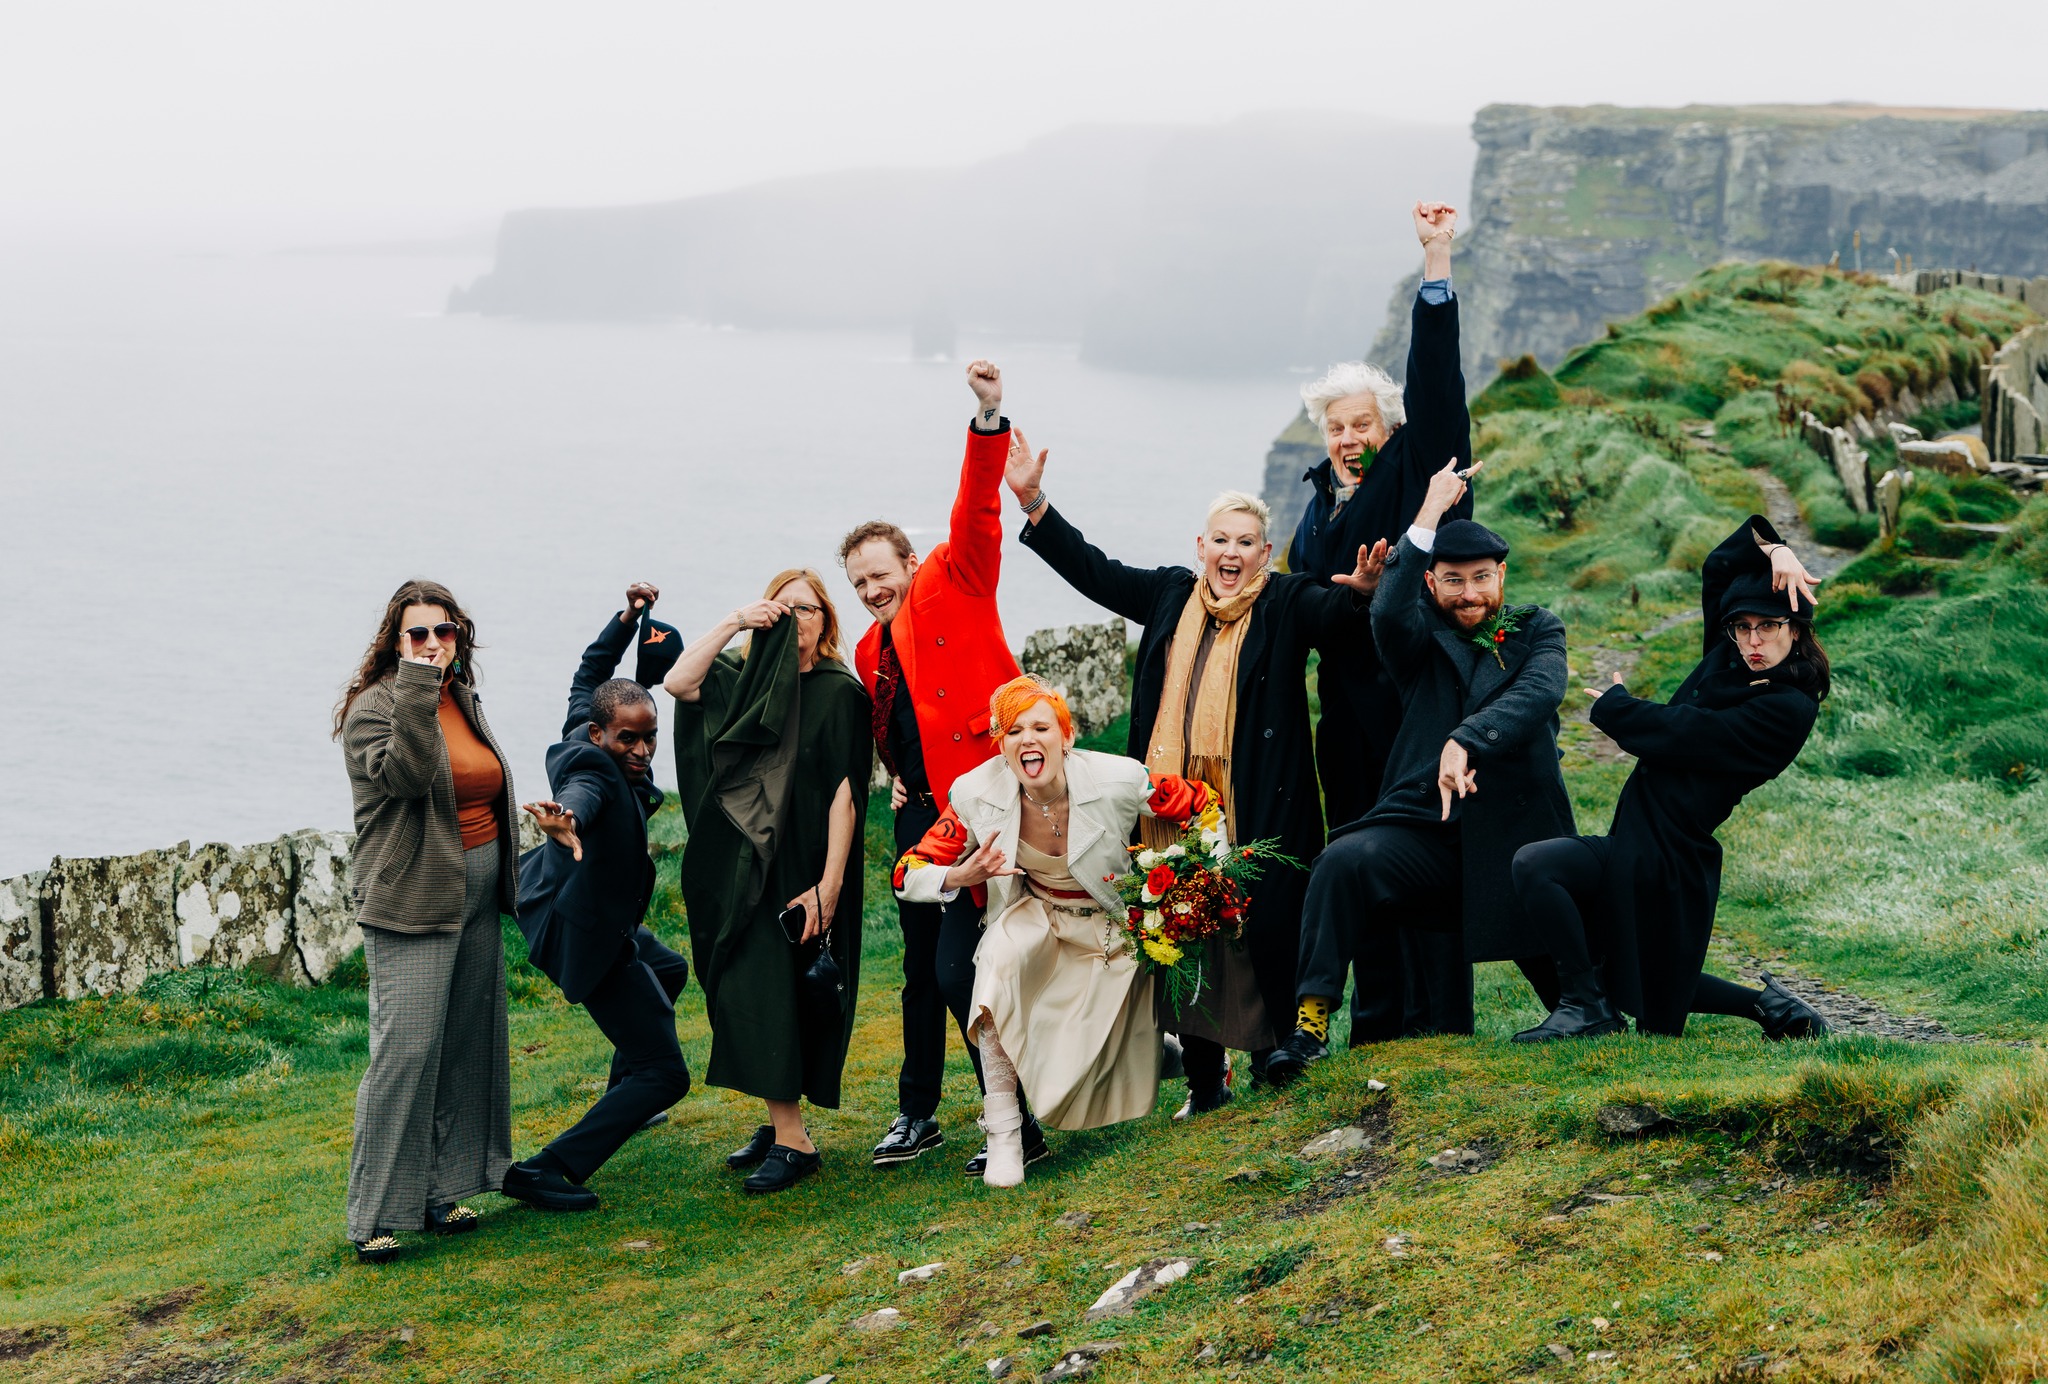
(1003, 1121)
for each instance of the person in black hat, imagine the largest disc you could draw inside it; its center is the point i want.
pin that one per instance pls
(1627, 915)
(583, 897)
(1471, 778)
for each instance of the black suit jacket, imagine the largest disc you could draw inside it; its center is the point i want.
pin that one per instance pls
(1505, 715)
(579, 917)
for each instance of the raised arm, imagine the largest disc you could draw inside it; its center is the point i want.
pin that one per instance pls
(1434, 392)
(601, 659)
(685, 681)
(1758, 737)
(1128, 591)
(1400, 625)
(975, 535)
(399, 752)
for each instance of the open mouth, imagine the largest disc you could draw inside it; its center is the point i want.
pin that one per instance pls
(1229, 570)
(1032, 762)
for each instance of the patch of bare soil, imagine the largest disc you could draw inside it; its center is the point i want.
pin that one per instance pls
(30, 1340)
(1361, 1172)
(161, 1310)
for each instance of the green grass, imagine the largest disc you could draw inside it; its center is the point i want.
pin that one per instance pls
(174, 1161)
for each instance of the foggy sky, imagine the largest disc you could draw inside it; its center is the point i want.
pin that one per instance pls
(254, 122)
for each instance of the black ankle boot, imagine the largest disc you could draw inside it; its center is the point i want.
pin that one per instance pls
(1583, 1011)
(1784, 1015)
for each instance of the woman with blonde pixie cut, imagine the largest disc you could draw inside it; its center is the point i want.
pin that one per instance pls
(1221, 695)
(1061, 1008)
(772, 761)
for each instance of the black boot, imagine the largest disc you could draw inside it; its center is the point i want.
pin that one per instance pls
(1583, 1011)
(1784, 1015)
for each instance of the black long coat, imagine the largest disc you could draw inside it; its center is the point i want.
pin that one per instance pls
(580, 917)
(1505, 715)
(1272, 756)
(1361, 711)
(1725, 732)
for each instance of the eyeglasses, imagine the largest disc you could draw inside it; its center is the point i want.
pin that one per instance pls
(1451, 586)
(1739, 630)
(445, 632)
(806, 612)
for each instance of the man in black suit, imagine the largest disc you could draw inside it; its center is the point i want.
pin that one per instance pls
(583, 895)
(1480, 683)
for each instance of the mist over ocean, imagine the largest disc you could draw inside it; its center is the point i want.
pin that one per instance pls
(217, 468)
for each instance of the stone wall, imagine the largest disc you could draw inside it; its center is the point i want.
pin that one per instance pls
(1086, 664)
(2016, 394)
(2032, 292)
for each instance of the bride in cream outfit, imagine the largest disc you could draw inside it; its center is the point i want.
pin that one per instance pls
(1061, 1007)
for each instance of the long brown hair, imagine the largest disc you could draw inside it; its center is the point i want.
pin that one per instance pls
(1809, 660)
(382, 656)
(828, 635)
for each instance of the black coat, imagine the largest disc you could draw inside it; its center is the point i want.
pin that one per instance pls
(1272, 756)
(1361, 711)
(1504, 712)
(1725, 732)
(579, 917)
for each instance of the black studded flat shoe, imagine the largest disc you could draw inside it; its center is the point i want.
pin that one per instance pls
(754, 1150)
(782, 1169)
(380, 1248)
(449, 1219)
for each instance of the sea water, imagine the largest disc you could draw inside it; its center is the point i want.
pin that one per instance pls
(217, 468)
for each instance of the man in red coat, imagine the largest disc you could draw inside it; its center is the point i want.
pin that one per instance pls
(933, 657)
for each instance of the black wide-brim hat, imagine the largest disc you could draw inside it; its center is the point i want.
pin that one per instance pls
(1751, 594)
(1461, 540)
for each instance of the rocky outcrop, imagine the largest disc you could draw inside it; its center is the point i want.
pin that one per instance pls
(324, 926)
(21, 940)
(1086, 664)
(2016, 396)
(234, 908)
(110, 922)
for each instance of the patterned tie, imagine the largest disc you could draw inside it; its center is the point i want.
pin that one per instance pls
(888, 677)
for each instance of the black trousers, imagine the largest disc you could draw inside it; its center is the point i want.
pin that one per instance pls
(631, 1007)
(938, 977)
(670, 968)
(1379, 879)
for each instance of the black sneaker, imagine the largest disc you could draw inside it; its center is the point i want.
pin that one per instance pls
(546, 1190)
(1035, 1151)
(906, 1139)
(1295, 1056)
(782, 1169)
(754, 1150)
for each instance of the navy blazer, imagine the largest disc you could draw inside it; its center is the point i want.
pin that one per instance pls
(579, 917)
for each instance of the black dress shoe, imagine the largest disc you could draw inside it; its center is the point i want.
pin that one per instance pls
(782, 1169)
(549, 1191)
(754, 1150)
(906, 1139)
(1300, 1052)
(449, 1219)
(1784, 1015)
(1035, 1150)
(654, 1121)
(1580, 1018)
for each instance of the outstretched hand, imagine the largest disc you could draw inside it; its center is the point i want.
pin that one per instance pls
(1365, 577)
(1455, 774)
(1789, 575)
(1023, 471)
(985, 864)
(558, 824)
(1596, 693)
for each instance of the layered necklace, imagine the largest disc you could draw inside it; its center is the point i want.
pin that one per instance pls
(1045, 808)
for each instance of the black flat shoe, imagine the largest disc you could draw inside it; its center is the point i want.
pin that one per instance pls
(546, 1190)
(754, 1150)
(1300, 1052)
(782, 1169)
(1784, 1015)
(654, 1121)
(449, 1219)
(380, 1248)
(1035, 1151)
(1575, 1019)
(906, 1139)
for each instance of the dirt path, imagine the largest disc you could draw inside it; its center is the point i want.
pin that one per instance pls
(1783, 512)
(1848, 1012)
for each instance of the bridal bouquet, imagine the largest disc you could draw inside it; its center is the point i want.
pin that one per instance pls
(1178, 897)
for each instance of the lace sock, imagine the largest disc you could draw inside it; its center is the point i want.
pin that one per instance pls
(999, 1074)
(1313, 1018)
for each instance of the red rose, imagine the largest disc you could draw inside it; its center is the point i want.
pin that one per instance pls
(1160, 880)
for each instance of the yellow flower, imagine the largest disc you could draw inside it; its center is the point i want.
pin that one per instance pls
(1162, 951)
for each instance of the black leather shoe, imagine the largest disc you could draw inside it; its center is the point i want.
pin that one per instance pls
(1300, 1052)
(754, 1150)
(449, 1219)
(654, 1121)
(1583, 1018)
(906, 1139)
(1784, 1015)
(546, 1190)
(1035, 1151)
(782, 1169)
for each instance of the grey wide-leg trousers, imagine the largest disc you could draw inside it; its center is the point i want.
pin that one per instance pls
(434, 1112)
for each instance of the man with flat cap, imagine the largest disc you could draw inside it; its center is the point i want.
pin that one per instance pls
(1471, 778)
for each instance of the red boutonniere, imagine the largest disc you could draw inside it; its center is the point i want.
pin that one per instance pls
(1494, 633)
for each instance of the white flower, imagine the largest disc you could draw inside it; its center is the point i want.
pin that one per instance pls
(1221, 849)
(1176, 849)
(1145, 895)
(1152, 920)
(1147, 859)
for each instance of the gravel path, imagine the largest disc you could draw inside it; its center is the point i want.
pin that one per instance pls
(1848, 1012)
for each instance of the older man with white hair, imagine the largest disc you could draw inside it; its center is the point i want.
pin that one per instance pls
(1384, 441)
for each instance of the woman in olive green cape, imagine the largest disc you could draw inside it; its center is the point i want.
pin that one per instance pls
(773, 752)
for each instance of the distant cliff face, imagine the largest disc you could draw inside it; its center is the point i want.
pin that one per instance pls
(1581, 215)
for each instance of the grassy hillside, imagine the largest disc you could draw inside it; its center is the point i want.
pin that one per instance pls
(174, 1161)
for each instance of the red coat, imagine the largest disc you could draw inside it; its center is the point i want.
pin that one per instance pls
(948, 634)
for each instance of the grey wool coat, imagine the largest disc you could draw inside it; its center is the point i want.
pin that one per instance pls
(407, 871)
(1505, 715)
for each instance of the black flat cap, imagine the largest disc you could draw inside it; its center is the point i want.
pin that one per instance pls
(660, 646)
(1461, 540)
(1751, 594)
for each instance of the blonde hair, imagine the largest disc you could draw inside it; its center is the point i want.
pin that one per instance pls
(1239, 502)
(828, 633)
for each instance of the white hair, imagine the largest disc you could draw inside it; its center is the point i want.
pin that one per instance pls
(1238, 502)
(1350, 377)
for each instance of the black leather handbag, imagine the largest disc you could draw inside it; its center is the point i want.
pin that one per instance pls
(822, 986)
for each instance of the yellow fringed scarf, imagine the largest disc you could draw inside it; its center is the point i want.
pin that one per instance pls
(1204, 752)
